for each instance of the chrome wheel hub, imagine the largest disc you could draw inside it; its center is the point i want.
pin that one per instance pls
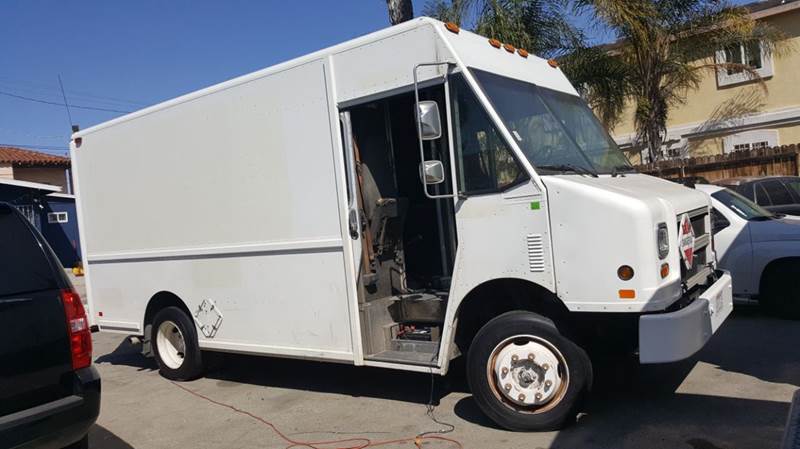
(171, 345)
(527, 374)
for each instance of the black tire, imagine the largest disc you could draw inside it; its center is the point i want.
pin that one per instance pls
(780, 291)
(189, 363)
(574, 366)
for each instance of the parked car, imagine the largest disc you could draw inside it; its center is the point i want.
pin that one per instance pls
(779, 194)
(761, 250)
(49, 390)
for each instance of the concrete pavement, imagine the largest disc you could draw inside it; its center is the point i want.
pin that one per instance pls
(734, 394)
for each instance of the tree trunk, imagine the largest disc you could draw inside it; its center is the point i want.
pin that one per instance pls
(400, 11)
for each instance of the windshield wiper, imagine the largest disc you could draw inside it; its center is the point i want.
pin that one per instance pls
(569, 167)
(621, 170)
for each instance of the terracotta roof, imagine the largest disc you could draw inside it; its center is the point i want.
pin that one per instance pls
(28, 158)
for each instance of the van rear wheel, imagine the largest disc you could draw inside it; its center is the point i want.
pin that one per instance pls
(175, 346)
(525, 375)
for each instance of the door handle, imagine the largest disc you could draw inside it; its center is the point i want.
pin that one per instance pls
(353, 224)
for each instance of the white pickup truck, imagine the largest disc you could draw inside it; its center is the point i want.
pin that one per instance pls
(396, 201)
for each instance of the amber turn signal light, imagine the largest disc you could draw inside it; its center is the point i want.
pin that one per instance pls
(664, 270)
(625, 273)
(452, 27)
(627, 294)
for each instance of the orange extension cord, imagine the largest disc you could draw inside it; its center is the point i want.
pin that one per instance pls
(357, 443)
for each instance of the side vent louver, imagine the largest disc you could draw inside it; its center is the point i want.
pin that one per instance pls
(535, 252)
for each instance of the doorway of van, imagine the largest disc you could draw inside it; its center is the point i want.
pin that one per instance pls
(408, 240)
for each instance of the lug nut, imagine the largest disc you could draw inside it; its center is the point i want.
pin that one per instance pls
(545, 367)
(508, 387)
(514, 358)
(504, 371)
(531, 356)
(521, 397)
(538, 396)
(547, 384)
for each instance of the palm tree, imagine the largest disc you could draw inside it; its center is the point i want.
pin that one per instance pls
(539, 26)
(665, 49)
(400, 11)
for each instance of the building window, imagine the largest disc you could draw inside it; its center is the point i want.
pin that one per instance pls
(751, 54)
(57, 217)
(750, 140)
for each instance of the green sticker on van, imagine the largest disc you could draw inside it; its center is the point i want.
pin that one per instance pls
(535, 205)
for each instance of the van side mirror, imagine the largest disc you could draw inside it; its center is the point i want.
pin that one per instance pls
(430, 125)
(431, 172)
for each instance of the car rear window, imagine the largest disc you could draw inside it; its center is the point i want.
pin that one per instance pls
(761, 196)
(23, 265)
(794, 186)
(777, 192)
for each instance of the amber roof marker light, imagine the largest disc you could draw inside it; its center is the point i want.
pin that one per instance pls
(495, 43)
(509, 48)
(552, 63)
(522, 52)
(452, 27)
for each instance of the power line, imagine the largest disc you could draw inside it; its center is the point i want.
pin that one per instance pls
(54, 103)
(47, 89)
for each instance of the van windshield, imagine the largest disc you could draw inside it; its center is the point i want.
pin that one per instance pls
(556, 131)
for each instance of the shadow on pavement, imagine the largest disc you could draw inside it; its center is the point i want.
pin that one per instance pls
(129, 355)
(230, 370)
(101, 438)
(756, 345)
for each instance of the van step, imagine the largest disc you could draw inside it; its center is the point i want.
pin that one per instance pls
(425, 347)
(409, 351)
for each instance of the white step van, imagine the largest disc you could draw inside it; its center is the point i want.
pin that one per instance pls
(398, 200)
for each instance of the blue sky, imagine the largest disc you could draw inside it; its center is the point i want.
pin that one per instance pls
(124, 55)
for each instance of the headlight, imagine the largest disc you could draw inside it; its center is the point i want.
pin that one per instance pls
(662, 240)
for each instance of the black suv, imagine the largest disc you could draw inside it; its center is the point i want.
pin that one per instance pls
(49, 390)
(779, 194)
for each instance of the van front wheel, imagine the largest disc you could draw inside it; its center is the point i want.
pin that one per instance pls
(175, 346)
(525, 375)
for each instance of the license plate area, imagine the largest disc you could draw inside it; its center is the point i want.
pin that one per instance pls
(720, 300)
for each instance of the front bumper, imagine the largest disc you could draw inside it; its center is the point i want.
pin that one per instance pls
(55, 424)
(673, 336)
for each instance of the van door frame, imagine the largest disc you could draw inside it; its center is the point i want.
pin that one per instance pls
(353, 271)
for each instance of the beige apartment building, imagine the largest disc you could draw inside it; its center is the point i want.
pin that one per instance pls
(729, 111)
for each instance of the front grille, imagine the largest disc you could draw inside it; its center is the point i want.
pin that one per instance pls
(699, 224)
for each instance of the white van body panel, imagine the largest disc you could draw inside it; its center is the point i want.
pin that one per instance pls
(176, 202)
(237, 194)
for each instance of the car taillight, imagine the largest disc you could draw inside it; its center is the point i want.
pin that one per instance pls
(80, 338)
